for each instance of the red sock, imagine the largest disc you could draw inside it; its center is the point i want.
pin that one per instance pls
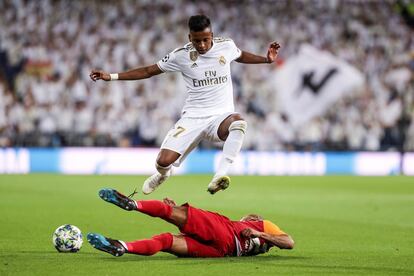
(154, 208)
(150, 247)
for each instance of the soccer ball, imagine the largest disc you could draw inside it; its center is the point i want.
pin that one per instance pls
(67, 238)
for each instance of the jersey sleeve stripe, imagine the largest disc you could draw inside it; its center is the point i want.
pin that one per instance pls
(178, 50)
(271, 228)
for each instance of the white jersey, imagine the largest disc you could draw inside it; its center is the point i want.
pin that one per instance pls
(207, 77)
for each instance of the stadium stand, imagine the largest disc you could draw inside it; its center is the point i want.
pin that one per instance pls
(47, 49)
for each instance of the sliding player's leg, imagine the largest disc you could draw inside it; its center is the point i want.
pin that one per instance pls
(147, 247)
(231, 130)
(178, 245)
(185, 246)
(166, 210)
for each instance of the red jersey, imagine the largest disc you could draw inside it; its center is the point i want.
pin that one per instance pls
(224, 235)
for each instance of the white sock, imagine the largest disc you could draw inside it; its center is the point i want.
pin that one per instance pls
(123, 244)
(231, 147)
(162, 170)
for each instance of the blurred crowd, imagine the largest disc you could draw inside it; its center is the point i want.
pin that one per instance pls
(48, 48)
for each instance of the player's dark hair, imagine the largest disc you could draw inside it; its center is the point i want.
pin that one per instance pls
(198, 23)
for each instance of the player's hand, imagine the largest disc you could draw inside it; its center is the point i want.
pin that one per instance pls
(169, 202)
(99, 75)
(250, 233)
(272, 52)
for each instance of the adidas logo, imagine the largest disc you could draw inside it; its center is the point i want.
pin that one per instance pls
(194, 65)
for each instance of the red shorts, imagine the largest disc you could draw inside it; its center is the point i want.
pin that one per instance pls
(208, 234)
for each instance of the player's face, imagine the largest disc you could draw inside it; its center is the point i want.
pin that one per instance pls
(202, 41)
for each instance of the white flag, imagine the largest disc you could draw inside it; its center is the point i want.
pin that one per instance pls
(310, 82)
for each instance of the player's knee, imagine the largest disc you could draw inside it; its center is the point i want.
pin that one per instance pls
(166, 158)
(238, 125)
(165, 240)
(179, 246)
(236, 117)
(163, 162)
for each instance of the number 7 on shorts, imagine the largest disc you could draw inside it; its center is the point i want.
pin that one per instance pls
(179, 131)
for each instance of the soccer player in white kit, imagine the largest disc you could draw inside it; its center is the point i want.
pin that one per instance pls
(208, 112)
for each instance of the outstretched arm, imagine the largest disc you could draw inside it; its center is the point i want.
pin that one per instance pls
(134, 74)
(282, 241)
(250, 58)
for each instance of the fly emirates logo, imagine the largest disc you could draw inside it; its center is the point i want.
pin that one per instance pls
(211, 79)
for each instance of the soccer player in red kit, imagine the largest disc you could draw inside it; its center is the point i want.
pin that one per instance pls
(203, 233)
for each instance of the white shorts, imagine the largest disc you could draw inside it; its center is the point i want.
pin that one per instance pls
(188, 133)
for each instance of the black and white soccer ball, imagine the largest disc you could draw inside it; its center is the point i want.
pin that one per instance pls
(67, 238)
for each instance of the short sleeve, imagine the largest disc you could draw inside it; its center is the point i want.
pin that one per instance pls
(169, 63)
(271, 228)
(235, 52)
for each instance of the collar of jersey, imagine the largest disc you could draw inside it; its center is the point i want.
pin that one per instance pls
(212, 46)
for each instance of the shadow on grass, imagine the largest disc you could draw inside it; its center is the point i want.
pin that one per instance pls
(160, 257)
(296, 262)
(186, 261)
(49, 254)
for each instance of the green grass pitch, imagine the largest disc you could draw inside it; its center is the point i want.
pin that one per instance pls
(341, 224)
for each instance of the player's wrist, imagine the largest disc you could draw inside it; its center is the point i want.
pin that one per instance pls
(259, 234)
(114, 76)
(267, 60)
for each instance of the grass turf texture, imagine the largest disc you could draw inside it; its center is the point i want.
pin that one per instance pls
(341, 224)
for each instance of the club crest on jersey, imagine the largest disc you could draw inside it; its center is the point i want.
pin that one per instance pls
(193, 55)
(222, 60)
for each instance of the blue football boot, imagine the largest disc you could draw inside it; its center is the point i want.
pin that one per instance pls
(114, 197)
(113, 247)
